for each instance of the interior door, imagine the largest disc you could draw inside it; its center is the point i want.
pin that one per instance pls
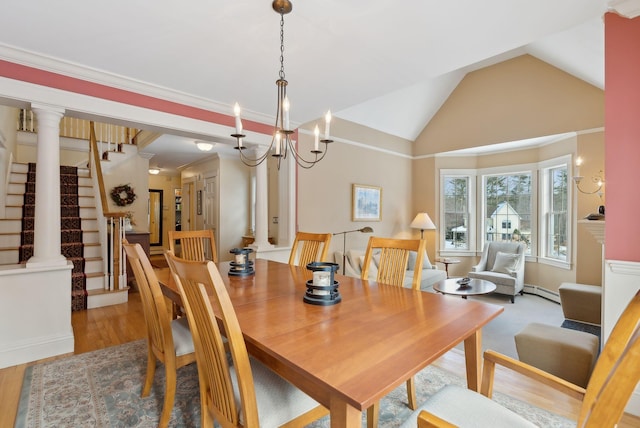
(155, 217)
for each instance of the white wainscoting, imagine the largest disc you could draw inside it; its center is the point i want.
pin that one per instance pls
(621, 282)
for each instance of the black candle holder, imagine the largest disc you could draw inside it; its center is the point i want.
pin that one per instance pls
(322, 289)
(241, 266)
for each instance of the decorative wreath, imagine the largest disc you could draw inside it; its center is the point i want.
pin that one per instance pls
(123, 195)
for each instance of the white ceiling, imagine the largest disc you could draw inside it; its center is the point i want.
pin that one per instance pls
(386, 65)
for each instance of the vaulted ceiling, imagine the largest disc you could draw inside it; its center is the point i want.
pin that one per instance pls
(386, 65)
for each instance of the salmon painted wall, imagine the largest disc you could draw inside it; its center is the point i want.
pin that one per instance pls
(622, 137)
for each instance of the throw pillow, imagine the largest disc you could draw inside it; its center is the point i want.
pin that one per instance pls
(505, 262)
(411, 263)
(373, 269)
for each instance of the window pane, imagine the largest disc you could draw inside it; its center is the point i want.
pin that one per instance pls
(456, 212)
(507, 215)
(557, 216)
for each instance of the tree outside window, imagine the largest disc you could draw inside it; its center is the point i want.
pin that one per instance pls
(456, 213)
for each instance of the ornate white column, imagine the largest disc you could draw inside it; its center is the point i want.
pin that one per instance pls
(46, 239)
(262, 208)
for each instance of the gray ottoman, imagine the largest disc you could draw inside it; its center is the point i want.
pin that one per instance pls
(568, 354)
(581, 302)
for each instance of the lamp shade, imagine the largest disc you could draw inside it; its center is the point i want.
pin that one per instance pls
(423, 222)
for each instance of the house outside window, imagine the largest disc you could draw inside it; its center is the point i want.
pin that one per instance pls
(507, 207)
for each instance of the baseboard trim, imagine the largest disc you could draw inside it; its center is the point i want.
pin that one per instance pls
(542, 292)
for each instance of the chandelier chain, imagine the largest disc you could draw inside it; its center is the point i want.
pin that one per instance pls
(282, 47)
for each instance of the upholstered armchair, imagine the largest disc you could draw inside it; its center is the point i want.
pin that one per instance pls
(503, 264)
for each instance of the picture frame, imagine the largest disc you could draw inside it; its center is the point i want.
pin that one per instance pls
(199, 202)
(366, 203)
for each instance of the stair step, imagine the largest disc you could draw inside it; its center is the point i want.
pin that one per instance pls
(9, 240)
(19, 167)
(97, 299)
(93, 265)
(9, 256)
(92, 250)
(13, 211)
(15, 200)
(88, 212)
(15, 188)
(10, 225)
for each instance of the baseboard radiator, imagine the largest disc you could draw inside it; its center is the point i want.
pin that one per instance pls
(542, 292)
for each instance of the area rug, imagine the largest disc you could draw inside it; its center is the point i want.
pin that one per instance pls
(102, 389)
(500, 332)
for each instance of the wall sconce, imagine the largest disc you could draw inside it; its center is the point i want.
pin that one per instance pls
(597, 180)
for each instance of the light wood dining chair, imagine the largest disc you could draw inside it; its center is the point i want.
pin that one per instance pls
(245, 393)
(309, 247)
(168, 340)
(392, 258)
(610, 387)
(198, 245)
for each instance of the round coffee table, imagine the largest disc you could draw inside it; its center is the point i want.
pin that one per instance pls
(474, 288)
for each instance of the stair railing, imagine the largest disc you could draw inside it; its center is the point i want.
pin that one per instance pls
(110, 224)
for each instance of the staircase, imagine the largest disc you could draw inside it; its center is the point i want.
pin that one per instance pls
(88, 273)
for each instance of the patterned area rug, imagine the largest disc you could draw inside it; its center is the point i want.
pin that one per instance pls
(102, 389)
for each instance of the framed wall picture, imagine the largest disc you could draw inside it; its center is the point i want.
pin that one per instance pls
(199, 202)
(366, 203)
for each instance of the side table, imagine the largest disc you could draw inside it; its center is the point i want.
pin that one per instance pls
(446, 262)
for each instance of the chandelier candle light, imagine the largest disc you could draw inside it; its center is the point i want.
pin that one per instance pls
(281, 143)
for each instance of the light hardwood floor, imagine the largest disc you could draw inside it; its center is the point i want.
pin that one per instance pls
(114, 325)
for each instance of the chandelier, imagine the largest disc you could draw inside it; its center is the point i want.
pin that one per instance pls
(281, 143)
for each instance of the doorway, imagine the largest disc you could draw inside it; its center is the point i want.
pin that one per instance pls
(155, 217)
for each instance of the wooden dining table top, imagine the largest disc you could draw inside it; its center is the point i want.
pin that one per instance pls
(349, 355)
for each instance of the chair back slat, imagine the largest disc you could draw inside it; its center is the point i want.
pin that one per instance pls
(195, 279)
(154, 307)
(309, 247)
(394, 257)
(622, 338)
(196, 245)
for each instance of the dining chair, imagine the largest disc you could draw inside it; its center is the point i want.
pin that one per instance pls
(196, 245)
(242, 392)
(391, 259)
(309, 247)
(168, 340)
(612, 383)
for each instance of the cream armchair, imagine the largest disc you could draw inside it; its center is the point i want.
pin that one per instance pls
(503, 264)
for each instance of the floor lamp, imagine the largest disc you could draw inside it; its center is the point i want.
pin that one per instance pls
(423, 222)
(365, 229)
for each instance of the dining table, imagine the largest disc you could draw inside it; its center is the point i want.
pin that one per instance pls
(349, 355)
